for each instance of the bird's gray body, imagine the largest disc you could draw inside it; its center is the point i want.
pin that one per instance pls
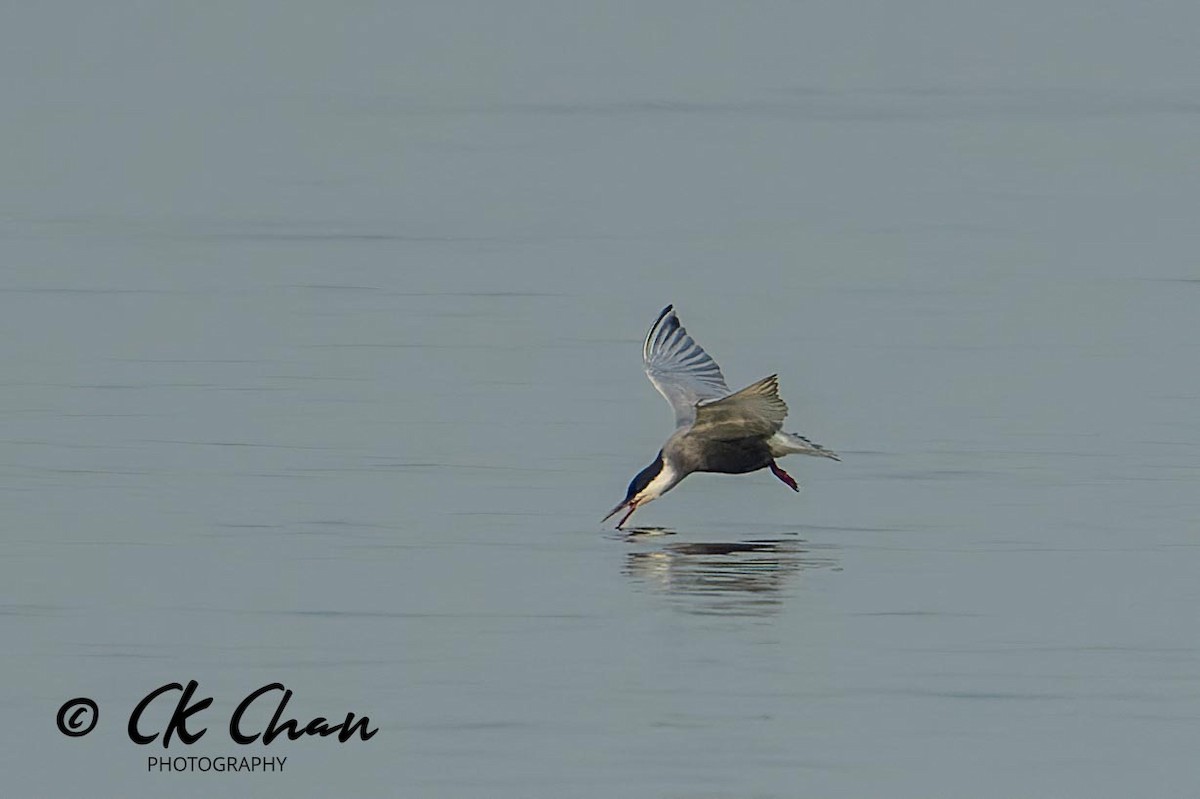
(716, 430)
(697, 453)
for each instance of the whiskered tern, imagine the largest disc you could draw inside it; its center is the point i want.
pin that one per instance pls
(715, 430)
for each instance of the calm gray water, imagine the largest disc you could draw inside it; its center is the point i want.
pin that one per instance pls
(321, 329)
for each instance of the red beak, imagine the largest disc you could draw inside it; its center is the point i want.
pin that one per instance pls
(626, 504)
(615, 511)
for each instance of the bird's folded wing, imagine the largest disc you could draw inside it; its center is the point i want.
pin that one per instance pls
(680, 368)
(756, 410)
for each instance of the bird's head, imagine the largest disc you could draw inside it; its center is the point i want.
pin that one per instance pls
(649, 484)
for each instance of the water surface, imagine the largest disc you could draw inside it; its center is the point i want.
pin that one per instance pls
(321, 332)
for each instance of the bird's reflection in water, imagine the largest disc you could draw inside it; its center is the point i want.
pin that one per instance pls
(741, 578)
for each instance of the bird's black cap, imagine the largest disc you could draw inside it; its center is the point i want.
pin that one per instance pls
(644, 477)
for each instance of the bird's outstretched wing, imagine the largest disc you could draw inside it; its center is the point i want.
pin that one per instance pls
(755, 411)
(680, 368)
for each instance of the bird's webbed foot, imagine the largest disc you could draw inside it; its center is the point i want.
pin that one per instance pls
(784, 477)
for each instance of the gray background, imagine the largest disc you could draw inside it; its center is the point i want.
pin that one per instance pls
(320, 327)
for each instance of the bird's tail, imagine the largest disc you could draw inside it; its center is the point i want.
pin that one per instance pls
(791, 444)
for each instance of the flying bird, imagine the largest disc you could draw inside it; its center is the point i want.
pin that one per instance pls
(715, 430)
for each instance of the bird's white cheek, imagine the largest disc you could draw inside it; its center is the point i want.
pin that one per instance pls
(658, 486)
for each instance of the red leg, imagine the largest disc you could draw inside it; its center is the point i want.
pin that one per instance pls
(784, 476)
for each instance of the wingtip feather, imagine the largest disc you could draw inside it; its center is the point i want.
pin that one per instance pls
(663, 314)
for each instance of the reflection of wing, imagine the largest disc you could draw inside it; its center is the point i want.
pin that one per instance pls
(680, 368)
(755, 411)
(745, 578)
